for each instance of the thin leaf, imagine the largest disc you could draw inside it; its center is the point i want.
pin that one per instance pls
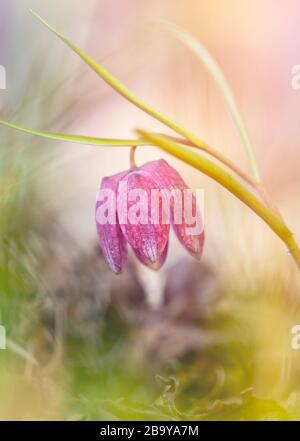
(215, 71)
(77, 138)
(124, 91)
(224, 178)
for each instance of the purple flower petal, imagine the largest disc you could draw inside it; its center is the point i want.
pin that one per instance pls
(166, 177)
(164, 255)
(158, 264)
(110, 237)
(148, 239)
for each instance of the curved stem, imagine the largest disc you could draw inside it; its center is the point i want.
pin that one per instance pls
(257, 186)
(224, 178)
(261, 190)
(81, 139)
(132, 157)
(217, 155)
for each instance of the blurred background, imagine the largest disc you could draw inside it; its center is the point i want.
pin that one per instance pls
(209, 340)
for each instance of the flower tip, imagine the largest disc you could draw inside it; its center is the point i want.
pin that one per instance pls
(155, 266)
(198, 255)
(118, 271)
(195, 248)
(115, 262)
(153, 262)
(116, 267)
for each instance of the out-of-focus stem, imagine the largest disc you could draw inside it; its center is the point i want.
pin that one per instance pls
(132, 157)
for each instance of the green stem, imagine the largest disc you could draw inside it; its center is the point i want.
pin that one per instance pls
(224, 178)
(130, 96)
(87, 140)
(132, 162)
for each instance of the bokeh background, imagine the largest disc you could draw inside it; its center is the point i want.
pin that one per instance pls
(209, 340)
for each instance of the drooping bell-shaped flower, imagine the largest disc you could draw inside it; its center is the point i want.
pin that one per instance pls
(137, 207)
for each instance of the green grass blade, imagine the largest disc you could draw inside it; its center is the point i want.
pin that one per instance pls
(88, 140)
(218, 76)
(124, 91)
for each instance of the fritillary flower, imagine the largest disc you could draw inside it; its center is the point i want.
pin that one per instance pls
(137, 207)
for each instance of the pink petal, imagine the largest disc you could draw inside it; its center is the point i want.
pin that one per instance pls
(166, 177)
(158, 264)
(147, 239)
(164, 255)
(110, 237)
